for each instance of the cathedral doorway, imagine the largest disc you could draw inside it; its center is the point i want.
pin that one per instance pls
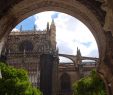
(65, 83)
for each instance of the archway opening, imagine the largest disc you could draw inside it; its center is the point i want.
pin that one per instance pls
(61, 6)
(76, 33)
(62, 43)
(19, 12)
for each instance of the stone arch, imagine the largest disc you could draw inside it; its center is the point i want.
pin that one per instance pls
(68, 58)
(21, 10)
(15, 11)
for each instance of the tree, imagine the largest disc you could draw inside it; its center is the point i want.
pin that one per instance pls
(89, 85)
(15, 82)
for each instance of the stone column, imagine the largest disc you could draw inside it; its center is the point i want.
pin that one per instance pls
(55, 76)
(106, 64)
(46, 66)
(105, 67)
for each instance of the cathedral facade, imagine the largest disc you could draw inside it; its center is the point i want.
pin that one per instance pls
(23, 49)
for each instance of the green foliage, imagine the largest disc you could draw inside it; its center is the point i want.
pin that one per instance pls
(15, 82)
(90, 85)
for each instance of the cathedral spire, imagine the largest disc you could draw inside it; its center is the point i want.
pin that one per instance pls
(34, 27)
(52, 23)
(78, 52)
(53, 34)
(52, 26)
(47, 26)
(77, 49)
(21, 28)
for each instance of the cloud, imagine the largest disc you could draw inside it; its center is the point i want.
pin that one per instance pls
(41, 19)
(75, 34)
(71, 33)
(15, 30)
(64, 47)
(87, 44)
(55, 15)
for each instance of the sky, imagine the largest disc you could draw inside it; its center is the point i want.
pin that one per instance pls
(70, 32)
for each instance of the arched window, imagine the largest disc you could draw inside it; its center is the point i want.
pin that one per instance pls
(65, 82)
(25, 45)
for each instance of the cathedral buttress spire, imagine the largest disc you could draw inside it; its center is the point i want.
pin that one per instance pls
(78, 52)
(53, 22)
(47, 26)
(78, 60)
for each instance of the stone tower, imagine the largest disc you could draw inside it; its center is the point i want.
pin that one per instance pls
(53, 35)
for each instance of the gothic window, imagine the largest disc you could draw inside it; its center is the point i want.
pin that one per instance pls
(65, 82)
(25, 45)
